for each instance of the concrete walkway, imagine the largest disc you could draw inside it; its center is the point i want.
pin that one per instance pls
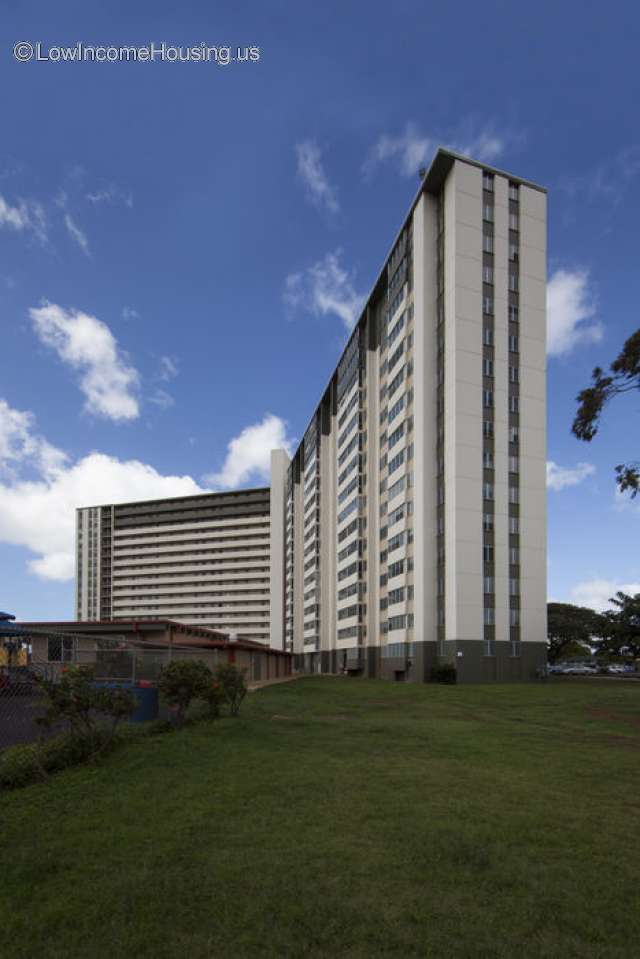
(252, 687)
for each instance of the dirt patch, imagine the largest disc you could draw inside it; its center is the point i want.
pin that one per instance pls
(610, 717)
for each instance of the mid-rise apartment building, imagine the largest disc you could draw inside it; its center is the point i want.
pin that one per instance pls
(203, 560)
(414, 507)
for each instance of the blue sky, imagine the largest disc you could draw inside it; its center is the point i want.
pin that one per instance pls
(184, 245)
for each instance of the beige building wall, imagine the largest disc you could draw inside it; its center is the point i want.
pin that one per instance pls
(533, 515)
(279, 465)
(213, 571)
(424, 407)
(448, 538)
(463, 403)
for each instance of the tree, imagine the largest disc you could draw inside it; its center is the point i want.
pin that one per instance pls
(622, 626)
(568, 625)
(624, 378)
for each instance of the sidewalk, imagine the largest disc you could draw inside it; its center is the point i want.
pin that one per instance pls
(271, 682)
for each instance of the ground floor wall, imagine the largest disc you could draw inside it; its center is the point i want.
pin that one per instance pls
(416, 665)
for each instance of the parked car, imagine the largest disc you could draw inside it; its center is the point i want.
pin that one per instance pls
(616, 669)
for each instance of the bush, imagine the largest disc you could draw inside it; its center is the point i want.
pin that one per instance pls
(184, 680)
(85, 707)
(233, 685)
(22, 765)
(444, 673)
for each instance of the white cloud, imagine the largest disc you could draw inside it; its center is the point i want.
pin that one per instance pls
(249, 453)
(609, 180)
(39, 514)
(559, 477)
(312, 174)
(76, 233)
(162, 399)
(128, 313)
(595, 593)
(570, 310)
(110, 194)
(413, 148)
(86, 343)
(19, 445)
(29, 215)
(323, 289)
(168, 368)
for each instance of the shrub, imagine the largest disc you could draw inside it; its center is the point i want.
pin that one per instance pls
(214, 696)
(92, 712)
(21, 765)
(184, 680)
(233, 685)
(444, 673)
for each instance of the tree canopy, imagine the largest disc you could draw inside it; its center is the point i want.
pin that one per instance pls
(568, 625)
(623, 378)
(622, 626)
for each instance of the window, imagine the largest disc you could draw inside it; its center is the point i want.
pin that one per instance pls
(487, 428)
(513, 191)
(396, 461)
(514, 525)
(487, 459)
(488, 491)
(487, 305)
(513, 434)
(487, 522)
(396, 330)
(514, 375)
(514, 556)
(514, 617)
(488, 336)
(487, 554)
(489, 616)
(513, 282)
(488, 399)
(487, 212)
(487, 243)
(514, 221)
(514, 345)
(487, 274)
(489, 647)
(489, 585)
(396, 381)
(487, 181)
(488, 367)
(514, 404)
(515, 647)
(513, 252)
(514, 314)
(514, 464)
(396, 435)
(514, 494)
(514, 587)
(395, 542)
(59, 649)
(397, 407)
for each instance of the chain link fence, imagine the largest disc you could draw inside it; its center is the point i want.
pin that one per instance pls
(112, 660)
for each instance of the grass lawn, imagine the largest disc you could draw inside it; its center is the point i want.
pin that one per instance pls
(343, 818)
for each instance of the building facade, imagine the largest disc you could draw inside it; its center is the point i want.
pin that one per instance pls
(203, 560)
(414, 507)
